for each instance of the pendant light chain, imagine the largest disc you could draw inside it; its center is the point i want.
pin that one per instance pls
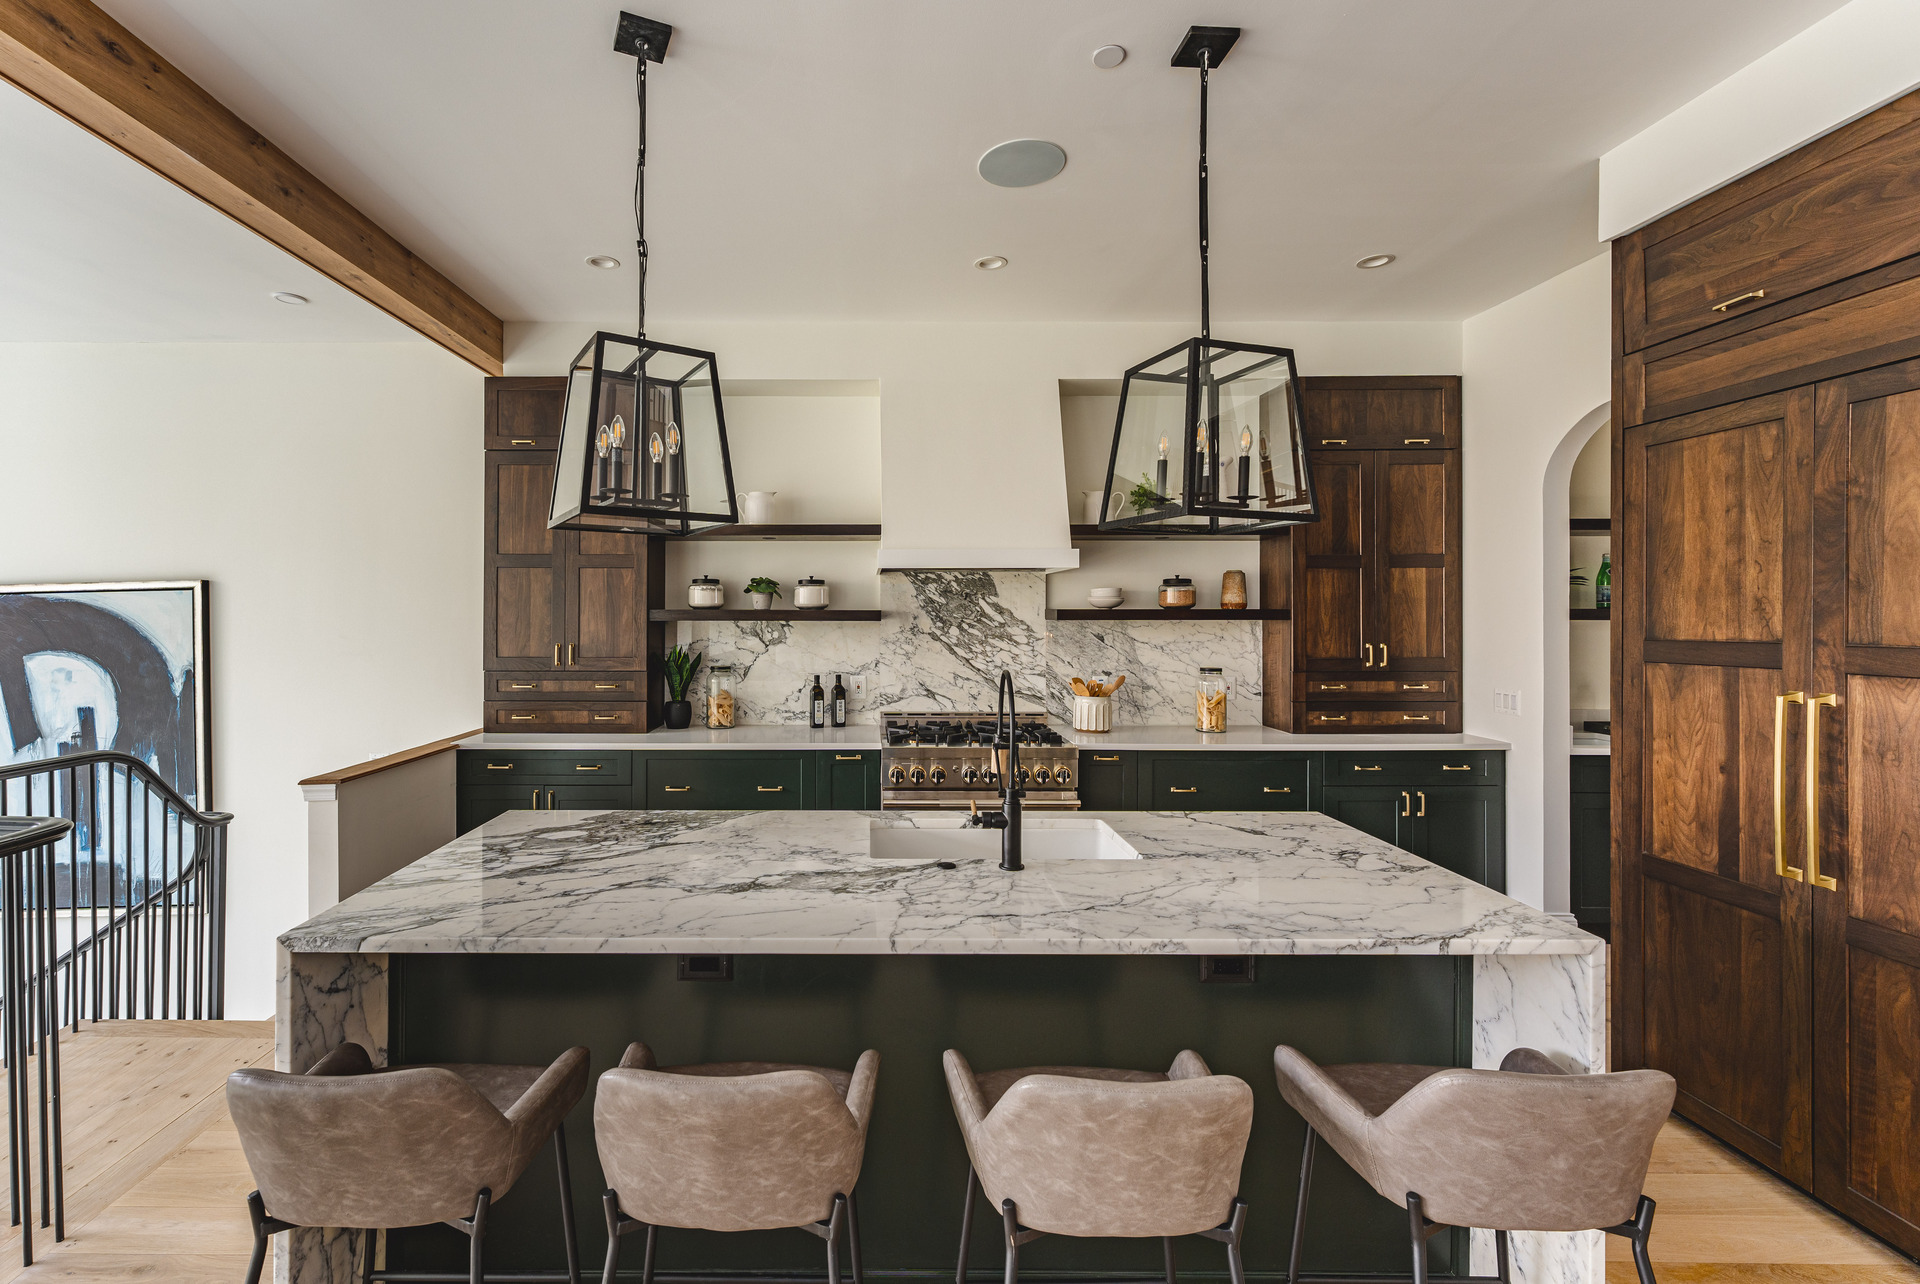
(1206, 295)
(640, 187)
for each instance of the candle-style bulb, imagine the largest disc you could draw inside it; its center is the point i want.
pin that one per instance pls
(619, 431)
(653, 447)
(1163, 447)
(1246, 440)
(603, 444)
(673, 438)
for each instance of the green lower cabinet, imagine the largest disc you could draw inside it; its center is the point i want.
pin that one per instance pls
(1371, 809)
(1108, 780)
(479, 804)
(846, 781)
(1222, 781)
(727, 781)
(1461, 829)
(1592, 845)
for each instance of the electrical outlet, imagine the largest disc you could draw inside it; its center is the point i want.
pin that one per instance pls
(1507, 702)
(856, 686)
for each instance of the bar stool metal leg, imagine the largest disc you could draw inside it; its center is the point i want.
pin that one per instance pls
(1009, 1215)
(372, 1244)
(476, 1229)
(566, 1204)
(1638, 1231)
(1417, 1228)
(1166, 1255)
(836, 1224)
(853, 1237)
(1300, 1208)
(966, 1229)
(1501, 1257)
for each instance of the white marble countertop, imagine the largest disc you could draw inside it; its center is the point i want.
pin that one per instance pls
(865, 736)
(1588, 744)
(802, 882)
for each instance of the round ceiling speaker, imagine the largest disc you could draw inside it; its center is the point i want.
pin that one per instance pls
(1022, 162)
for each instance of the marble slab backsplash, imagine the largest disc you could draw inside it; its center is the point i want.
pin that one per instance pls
(943, 638)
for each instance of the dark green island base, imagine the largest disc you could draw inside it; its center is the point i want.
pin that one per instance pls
(1001, 1011)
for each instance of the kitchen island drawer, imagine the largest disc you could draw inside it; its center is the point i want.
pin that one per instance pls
(729, 781)
(1425, 767)
(478, 804)
(1223, 781)
(508, 767)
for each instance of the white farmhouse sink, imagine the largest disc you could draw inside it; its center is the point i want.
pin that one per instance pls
(1040, 841)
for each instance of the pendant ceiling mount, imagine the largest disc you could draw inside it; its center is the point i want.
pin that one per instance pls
(1208, 439)
(643, 440)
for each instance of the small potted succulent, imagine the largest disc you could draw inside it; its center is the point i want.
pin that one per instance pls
(763, 590)
(682, 664)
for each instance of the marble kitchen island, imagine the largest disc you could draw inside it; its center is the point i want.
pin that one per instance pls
(543, 929)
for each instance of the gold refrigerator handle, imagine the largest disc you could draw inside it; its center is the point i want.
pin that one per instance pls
(1780, 866)
(1814, 875)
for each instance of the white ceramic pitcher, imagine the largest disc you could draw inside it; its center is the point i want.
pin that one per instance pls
(756, 507)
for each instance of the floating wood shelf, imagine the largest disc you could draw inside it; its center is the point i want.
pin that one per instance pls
(786, 616)
(1592, 613)
(1158, 613)
(816, 531)
(1592, 525)
(1081, 534)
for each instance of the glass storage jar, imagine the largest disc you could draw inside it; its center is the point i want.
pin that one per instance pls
(705, 593)
(720, 696)
(1210, 702)
(1176, 591)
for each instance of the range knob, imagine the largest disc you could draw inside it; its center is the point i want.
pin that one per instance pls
(896, 775)
(1042, 776)
(970, 774)
(938, 775)
(917, 775)
(1022, 776)
(1062, 776)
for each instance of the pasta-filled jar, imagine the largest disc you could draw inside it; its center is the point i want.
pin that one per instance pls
(1210, 702)
(720, 696)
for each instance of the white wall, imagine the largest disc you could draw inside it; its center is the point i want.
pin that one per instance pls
(1537, 377)
(331, 493)
(1857, 58)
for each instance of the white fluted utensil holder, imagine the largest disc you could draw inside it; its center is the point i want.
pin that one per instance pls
(1092, 713)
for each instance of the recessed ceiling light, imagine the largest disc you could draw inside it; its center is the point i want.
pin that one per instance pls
(1022, 162)
(286, 296)
(1375, 260)
(992, 263)
(605, 262)
(1107, 57)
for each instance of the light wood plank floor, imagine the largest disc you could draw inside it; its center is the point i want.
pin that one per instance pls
(156, 1181)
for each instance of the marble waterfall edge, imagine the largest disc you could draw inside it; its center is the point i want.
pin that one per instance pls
(944, 637)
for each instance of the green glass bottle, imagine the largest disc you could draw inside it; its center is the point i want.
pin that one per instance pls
(1603, 583)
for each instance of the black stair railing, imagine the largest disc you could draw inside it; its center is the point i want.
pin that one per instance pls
(117, 912)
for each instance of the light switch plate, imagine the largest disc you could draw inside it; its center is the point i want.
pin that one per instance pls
(1507, 702)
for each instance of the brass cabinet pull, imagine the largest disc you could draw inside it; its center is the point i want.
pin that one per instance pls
(556, 655)
(1814, 875)
(679, 789)
(1423, 803)
(606, 686)
(1111, 757)
(1416, 717)
(1269, 789)
(1739, 298)
(606, 717)
(1333, 686)
(570, 653)
(549, 800)
(523, 441)
(1416, 686)
(521, 686)
(499, 766)
(846, 757)
(536, 800)
(1358, 767)
(771, 789)
(1406, 803)
(1416, 441)
(1780, 866)
(586, 766)
(1333, 441)
(1445, 767)
(1175, 789)
(1383, 655)
(1329, 717)
(520, 717)
(1367, 647)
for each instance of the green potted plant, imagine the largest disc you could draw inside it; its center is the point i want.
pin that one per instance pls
(763, 590)
(682, 664)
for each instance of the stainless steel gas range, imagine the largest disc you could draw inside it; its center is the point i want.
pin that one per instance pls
(946, 760)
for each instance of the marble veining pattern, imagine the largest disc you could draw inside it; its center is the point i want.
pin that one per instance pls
(791, 882)
(944, 637)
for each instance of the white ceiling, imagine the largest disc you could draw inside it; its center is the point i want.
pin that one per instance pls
(817, 159)
(95, 247)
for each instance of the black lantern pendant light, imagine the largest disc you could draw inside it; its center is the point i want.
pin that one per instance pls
(643, 443)
(1208, 439)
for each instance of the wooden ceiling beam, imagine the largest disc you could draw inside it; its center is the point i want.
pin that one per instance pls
(77, 60)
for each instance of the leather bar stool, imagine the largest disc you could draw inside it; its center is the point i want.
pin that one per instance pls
(733, 1146)
(354, 1146)
(1098, 1153)
(1527, 1147)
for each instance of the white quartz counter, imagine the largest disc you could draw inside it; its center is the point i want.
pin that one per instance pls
(1157, 739)
(1591, 744)
(799, 882)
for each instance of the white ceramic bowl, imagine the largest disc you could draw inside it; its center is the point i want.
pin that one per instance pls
(1106, 598)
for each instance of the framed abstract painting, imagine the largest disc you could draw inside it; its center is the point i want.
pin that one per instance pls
(109, 666)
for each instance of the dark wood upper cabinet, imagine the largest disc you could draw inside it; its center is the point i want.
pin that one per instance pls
(523, 413)
(1381, 413)
(1766, 746)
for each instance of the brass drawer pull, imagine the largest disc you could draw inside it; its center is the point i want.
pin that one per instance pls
(499, 766)
(1110, 757)
(1814, 876)
(556, 655)
(771, 789)
(1445, 767)
(1406, 803)
(1423, 803)
(1416, 441)
(1331, 686)
(606, 717)
(679, 789)
(523, 441)
(1368, 648)
(1739, 298)
(1333, 717)
(1175, 789)
(520, 717)
(1780, 866)
(1269, 789)
(586, 766)
(847, 757)
(606, 686)
(536, 800)
(1416, 686)
(521, 686)
(1333, 441)
(570, 651)
(1416, 717)
(1358, 767)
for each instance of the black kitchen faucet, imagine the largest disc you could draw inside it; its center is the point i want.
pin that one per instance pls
(1007, 819)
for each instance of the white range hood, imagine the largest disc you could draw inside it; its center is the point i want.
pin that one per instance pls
(978, 559)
